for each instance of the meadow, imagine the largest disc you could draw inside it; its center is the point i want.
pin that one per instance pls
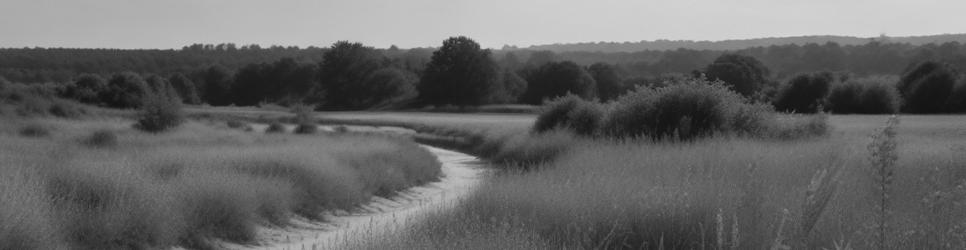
(98, 183)
(723, 192)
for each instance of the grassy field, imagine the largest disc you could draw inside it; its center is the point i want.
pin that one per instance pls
(718, 193)
(100, 184)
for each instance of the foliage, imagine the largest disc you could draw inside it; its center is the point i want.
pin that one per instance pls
(102, 138)
(88, 88)
(572, 113)
(743, 74)
(275, 127)
(460, 73)
(804, 93)
(610, 84)
(217, 85)
(387, 88)
(160, 113)
(185, 88)
(343, 73)
(926, 87)
(34, 130)
(682, 111)
(869, 95)
(513, 87)
(556, 79)
(126, 90)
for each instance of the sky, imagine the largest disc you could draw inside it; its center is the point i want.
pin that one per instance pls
(166, 24)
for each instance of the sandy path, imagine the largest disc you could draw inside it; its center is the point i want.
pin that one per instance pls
(461, 174)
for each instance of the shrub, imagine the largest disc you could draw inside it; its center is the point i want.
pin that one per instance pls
(744, 74)
(275, 127)
(871, 95)
(926, 87)
(126, 90)
(571, 113)
(159, 114)
(34, 130)
(804, 93)
(236, 124)
(687, 110)
(88, 88)
(65, 110)
(101, 139)
(957, 100)
(306, 128)
(556, 79)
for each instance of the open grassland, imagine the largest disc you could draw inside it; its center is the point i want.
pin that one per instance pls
(723, 192)
(99, 184)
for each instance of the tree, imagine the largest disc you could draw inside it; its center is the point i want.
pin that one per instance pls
(556, 79)
(460, 73)
(804, 93)
(743, 74)
(343, 69)
(513, 87)
(252, 84)
(926, 87)
(609, 82)
(185, 87)
(162, 88)
(218, 84)
(387, 88)
(88, 88)
(126, 90)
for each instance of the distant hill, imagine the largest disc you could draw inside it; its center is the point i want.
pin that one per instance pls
(740, 44)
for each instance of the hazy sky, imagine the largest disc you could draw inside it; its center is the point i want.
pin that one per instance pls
(421, 23)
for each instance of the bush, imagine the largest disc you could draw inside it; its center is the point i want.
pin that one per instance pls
(744, 74)
(570, 113)
(65, 110)
(687, 110)
(556, 79)
(275, 127)
(926, 87)
(306, 128)
(126, 90)
(871, 95)
(957, 100)
(159, 113)
(34, 130)
(101, 139)
(236, 124)
(88, 88)
(804, 93)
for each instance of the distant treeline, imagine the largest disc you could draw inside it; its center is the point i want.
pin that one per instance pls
(460, 73)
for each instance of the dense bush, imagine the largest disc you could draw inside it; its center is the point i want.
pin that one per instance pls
(275, 127)
(460, 73)
(88, 88)
(744, 74)
(126, 90)
(386, 88)
(926, 87)
(159, 113)
(185, 87)
(34, 130)
(556, 79)
(687, 110)
(65, 109)
(570, 113)
(869, 95)
(306, 128)
(804, 93)
(101, 139)
(610, 84)
(957, 100)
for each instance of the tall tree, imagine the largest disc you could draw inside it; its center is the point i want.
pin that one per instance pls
(126, 90)
(744, 74)
(556, 79)
(460, 73)
(344, 68)
(218, 83)
(185, 87)
(609, 81)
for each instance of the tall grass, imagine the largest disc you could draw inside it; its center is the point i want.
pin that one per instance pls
(189, 186)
